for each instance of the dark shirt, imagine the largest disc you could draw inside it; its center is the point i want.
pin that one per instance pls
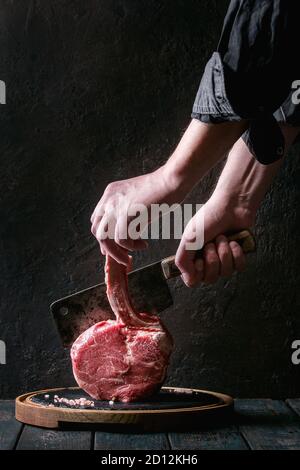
(252, 72)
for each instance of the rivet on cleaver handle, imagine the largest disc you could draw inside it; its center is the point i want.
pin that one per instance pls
(244, 238)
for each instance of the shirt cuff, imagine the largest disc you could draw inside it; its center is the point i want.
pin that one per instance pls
(263, 136)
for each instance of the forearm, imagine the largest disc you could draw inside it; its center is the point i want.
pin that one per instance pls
(244, 181)
(232, 207)
(200, 148)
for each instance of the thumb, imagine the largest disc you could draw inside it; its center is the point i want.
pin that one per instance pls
(185, 257)
(184, 260)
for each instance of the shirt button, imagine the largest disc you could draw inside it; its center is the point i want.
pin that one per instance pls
(279, 151)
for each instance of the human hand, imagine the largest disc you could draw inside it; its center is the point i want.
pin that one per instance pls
(119, 204)
(221, 257)
(232, 207)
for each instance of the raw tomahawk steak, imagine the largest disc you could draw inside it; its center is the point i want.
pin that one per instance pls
(124, 359)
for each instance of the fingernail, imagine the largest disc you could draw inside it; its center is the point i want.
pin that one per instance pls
(129, 264)
(183, 276)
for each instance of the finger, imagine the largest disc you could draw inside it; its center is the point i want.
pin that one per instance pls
(121, 233)
(107, 243)
(122, 238)
(130, 264)
(102, 249)
(96, 222)
(211, 263)
(225, 256)
(185, 261)
(115, 251)
(98, 211)
(96, 217)
(140, 244)
(133, 245)
(239, 259)
(199, 266)
(104, 228)
(191, 280)
(93, 214)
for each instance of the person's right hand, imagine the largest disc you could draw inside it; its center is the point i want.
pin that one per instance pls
(220, 256)
(118, 199)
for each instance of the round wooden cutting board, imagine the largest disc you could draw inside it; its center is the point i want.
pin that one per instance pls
(171, 407)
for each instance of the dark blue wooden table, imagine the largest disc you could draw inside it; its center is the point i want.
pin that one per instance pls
(256, 424)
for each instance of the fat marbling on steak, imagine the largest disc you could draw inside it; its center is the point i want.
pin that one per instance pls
(124, 359)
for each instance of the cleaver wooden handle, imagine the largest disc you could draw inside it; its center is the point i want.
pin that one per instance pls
(244, 238)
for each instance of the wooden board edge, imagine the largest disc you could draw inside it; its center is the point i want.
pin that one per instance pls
(38, 415)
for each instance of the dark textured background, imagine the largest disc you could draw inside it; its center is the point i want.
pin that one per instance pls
(102, 90)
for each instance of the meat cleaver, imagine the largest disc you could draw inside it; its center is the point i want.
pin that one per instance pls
(148, 289)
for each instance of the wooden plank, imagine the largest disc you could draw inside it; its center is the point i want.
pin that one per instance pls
(268, 424)
(294, 403)
(10, 428)
(132, 441)
(225, 437)
(34, 438)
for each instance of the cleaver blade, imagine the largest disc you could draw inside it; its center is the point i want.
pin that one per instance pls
(148, 289)
(73, 314)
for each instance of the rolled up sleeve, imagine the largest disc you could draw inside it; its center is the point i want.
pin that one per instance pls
(250, 74)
